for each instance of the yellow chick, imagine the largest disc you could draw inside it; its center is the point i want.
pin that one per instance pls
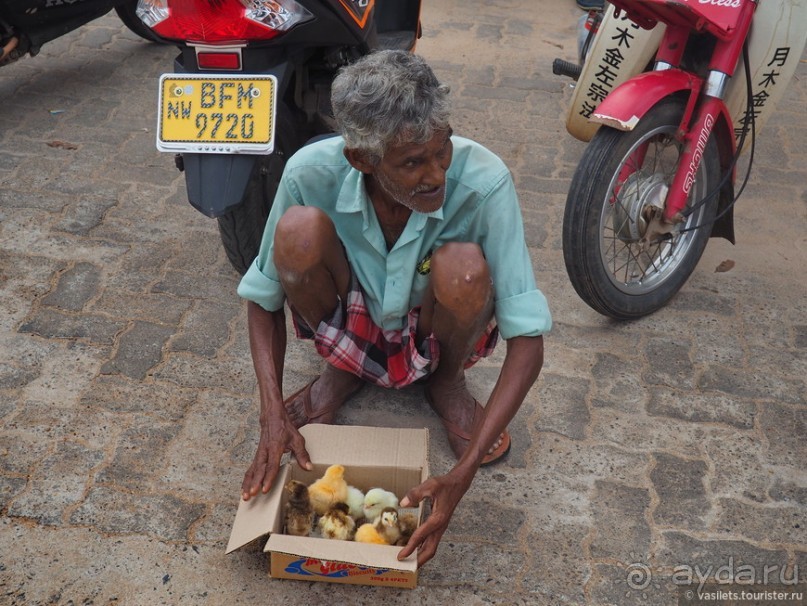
(329, 489)
(337, 523)
(299, 513)
(376, 500)
(384, 531)
(355, 502)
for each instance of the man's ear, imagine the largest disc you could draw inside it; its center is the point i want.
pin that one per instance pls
(360, 161)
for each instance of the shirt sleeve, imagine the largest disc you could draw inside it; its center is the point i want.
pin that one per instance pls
(521, 309)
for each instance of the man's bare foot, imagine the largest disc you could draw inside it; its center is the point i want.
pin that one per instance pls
(457, 408)
(318, 401)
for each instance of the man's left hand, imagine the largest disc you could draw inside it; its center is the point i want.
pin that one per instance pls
(445, 493)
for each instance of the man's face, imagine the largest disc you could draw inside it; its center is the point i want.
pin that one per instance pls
(414, 174)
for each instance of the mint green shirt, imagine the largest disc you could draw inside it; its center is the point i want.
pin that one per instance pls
(481, 206)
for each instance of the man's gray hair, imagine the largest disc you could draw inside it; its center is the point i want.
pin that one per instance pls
(388, 98)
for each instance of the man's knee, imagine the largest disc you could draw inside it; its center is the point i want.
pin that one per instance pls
(302, 237)
(461, 277)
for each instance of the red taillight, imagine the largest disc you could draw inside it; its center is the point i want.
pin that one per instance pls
(217, 21)
(212, 60)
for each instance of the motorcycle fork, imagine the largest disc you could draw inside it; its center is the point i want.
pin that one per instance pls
(696, 134)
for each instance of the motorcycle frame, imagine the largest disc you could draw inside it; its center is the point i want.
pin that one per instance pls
(705, 112)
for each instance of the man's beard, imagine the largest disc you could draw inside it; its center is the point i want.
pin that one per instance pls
(402, 196)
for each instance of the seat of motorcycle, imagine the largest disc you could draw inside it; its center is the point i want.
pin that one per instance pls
(396, 40)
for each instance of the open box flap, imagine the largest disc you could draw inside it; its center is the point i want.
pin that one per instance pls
(353, 445)
(258, 516)
(363, 554)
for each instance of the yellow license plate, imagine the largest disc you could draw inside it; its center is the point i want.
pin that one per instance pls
(216, 114)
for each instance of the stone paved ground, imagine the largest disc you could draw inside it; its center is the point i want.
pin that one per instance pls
(127, 398)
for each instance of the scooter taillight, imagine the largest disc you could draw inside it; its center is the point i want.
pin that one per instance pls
(218, 21)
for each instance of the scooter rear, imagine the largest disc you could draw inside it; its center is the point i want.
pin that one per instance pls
(251, 85)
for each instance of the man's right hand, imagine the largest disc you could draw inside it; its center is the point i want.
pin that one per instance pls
(276, 438)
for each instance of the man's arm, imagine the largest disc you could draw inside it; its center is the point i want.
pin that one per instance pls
(267, 342)
(520, 370)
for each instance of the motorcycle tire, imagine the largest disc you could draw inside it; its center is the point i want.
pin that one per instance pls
(241, 229)
(126, 13)
(607, 209)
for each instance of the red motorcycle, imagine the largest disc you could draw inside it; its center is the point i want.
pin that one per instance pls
(658, 178)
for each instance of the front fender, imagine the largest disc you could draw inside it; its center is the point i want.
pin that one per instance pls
(627, 103)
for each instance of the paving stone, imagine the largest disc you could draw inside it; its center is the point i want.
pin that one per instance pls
(9, 488)
(636, 431)
(129, 468)
(801, 336)
(12, 376)
(670, 363)
(161, 309)
(52, 324)
(789, 491)
(10, 399)
(84, 216)
(75, 287)
(619, 514)
(142, 265)
(558, 570)
(630, 586)
(158, 515)
(618, 383)
(188, 285)
(200, 451)
(37, 200)
(679, 484)
(193, 371)
(46, 423)
(215, 525)
(702, 408)
(18, 453)
(479, 565)
(785, 428)
(775, 523)
(743, 384)
(480, 521)
(564, 408)
(59, 482)
(694, 561)
(118, 393)
(704, 301)
(139, 350)
(739, 464)
(204, 330)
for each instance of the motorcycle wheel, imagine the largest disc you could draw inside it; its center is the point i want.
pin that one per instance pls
(126, 13)
(620, 176)
(241, 229)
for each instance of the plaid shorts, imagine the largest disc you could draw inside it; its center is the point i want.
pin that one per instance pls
(350, 341)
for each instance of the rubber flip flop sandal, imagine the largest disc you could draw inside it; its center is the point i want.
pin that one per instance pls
(490, 458)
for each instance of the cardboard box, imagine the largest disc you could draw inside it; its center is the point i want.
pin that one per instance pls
(393, 459)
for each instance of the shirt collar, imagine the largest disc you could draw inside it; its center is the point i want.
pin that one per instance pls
(353, 198)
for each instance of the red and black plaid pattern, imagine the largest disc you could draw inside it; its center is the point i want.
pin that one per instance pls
(350, 341)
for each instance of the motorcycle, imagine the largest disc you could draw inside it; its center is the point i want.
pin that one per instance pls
(250, 86)
(667, 120)
(26, 25)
